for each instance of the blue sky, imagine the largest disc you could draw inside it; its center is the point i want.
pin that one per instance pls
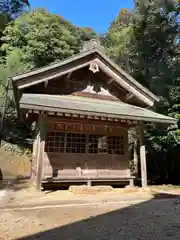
(96, 14)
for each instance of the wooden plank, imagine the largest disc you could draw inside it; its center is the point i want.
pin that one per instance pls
(90, 164)
(89, 121)
(85, 179)
(49, 75)
(86, 127)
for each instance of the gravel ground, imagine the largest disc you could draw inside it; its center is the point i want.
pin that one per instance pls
(153, 219)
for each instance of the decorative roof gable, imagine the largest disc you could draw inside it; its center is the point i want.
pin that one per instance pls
(96, 61)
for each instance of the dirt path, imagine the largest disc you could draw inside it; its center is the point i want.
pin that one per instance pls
(150, 220)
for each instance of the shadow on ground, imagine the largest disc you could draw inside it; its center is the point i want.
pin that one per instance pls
(154, 219)
(15, 184)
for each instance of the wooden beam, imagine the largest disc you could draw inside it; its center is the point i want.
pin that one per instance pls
(96, 118)
(60, 114)
(110, 81)
(124, 84)
(48, 75)
(46, 83)
(143, 158)
(75, 115)
(36, 111)
(90, 120)
(69, 75)
(51, 113)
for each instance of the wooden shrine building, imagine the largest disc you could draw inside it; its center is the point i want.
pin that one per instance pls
(83, 108)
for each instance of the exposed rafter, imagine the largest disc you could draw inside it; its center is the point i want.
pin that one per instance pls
(129, 96)
(81, 61)
(110, 81)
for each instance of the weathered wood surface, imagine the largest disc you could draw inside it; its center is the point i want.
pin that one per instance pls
(73, 165)
(40, 154)
(34, 160)
(39, 163)
(87, 126)
(143, 159)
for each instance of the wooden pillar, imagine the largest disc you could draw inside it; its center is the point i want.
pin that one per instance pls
(89, 183)
(135, 154)
(40, 152)
(34, 160)
(143, 159)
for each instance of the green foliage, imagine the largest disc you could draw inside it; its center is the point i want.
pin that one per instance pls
(117, 45)
(9, 10)
(155, 31)
(123, 20)
(117, 40)
(148, 47)
(35, 39)
(9, 67)
(43, 38)
(4, 19)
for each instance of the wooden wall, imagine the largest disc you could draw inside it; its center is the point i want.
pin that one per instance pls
(77, 165)
(82, 165)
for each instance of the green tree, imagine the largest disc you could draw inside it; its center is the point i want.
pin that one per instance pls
(151, 53)
(35, 39)
(123, 19)
(43, 38)
(118, 38)
(10, 9)
(155, 59)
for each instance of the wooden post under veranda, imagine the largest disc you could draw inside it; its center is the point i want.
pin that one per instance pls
(40, 150)
(143, 158)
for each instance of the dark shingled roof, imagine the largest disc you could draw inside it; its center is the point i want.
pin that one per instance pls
(91, 107)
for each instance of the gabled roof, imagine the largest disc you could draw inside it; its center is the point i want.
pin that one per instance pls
(91, 107)
(81, 60)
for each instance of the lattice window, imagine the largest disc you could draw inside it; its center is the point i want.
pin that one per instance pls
(93, 143)
(97, 144)
(55, 142)
(116, 145)
(75, 143)
(61, 142)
